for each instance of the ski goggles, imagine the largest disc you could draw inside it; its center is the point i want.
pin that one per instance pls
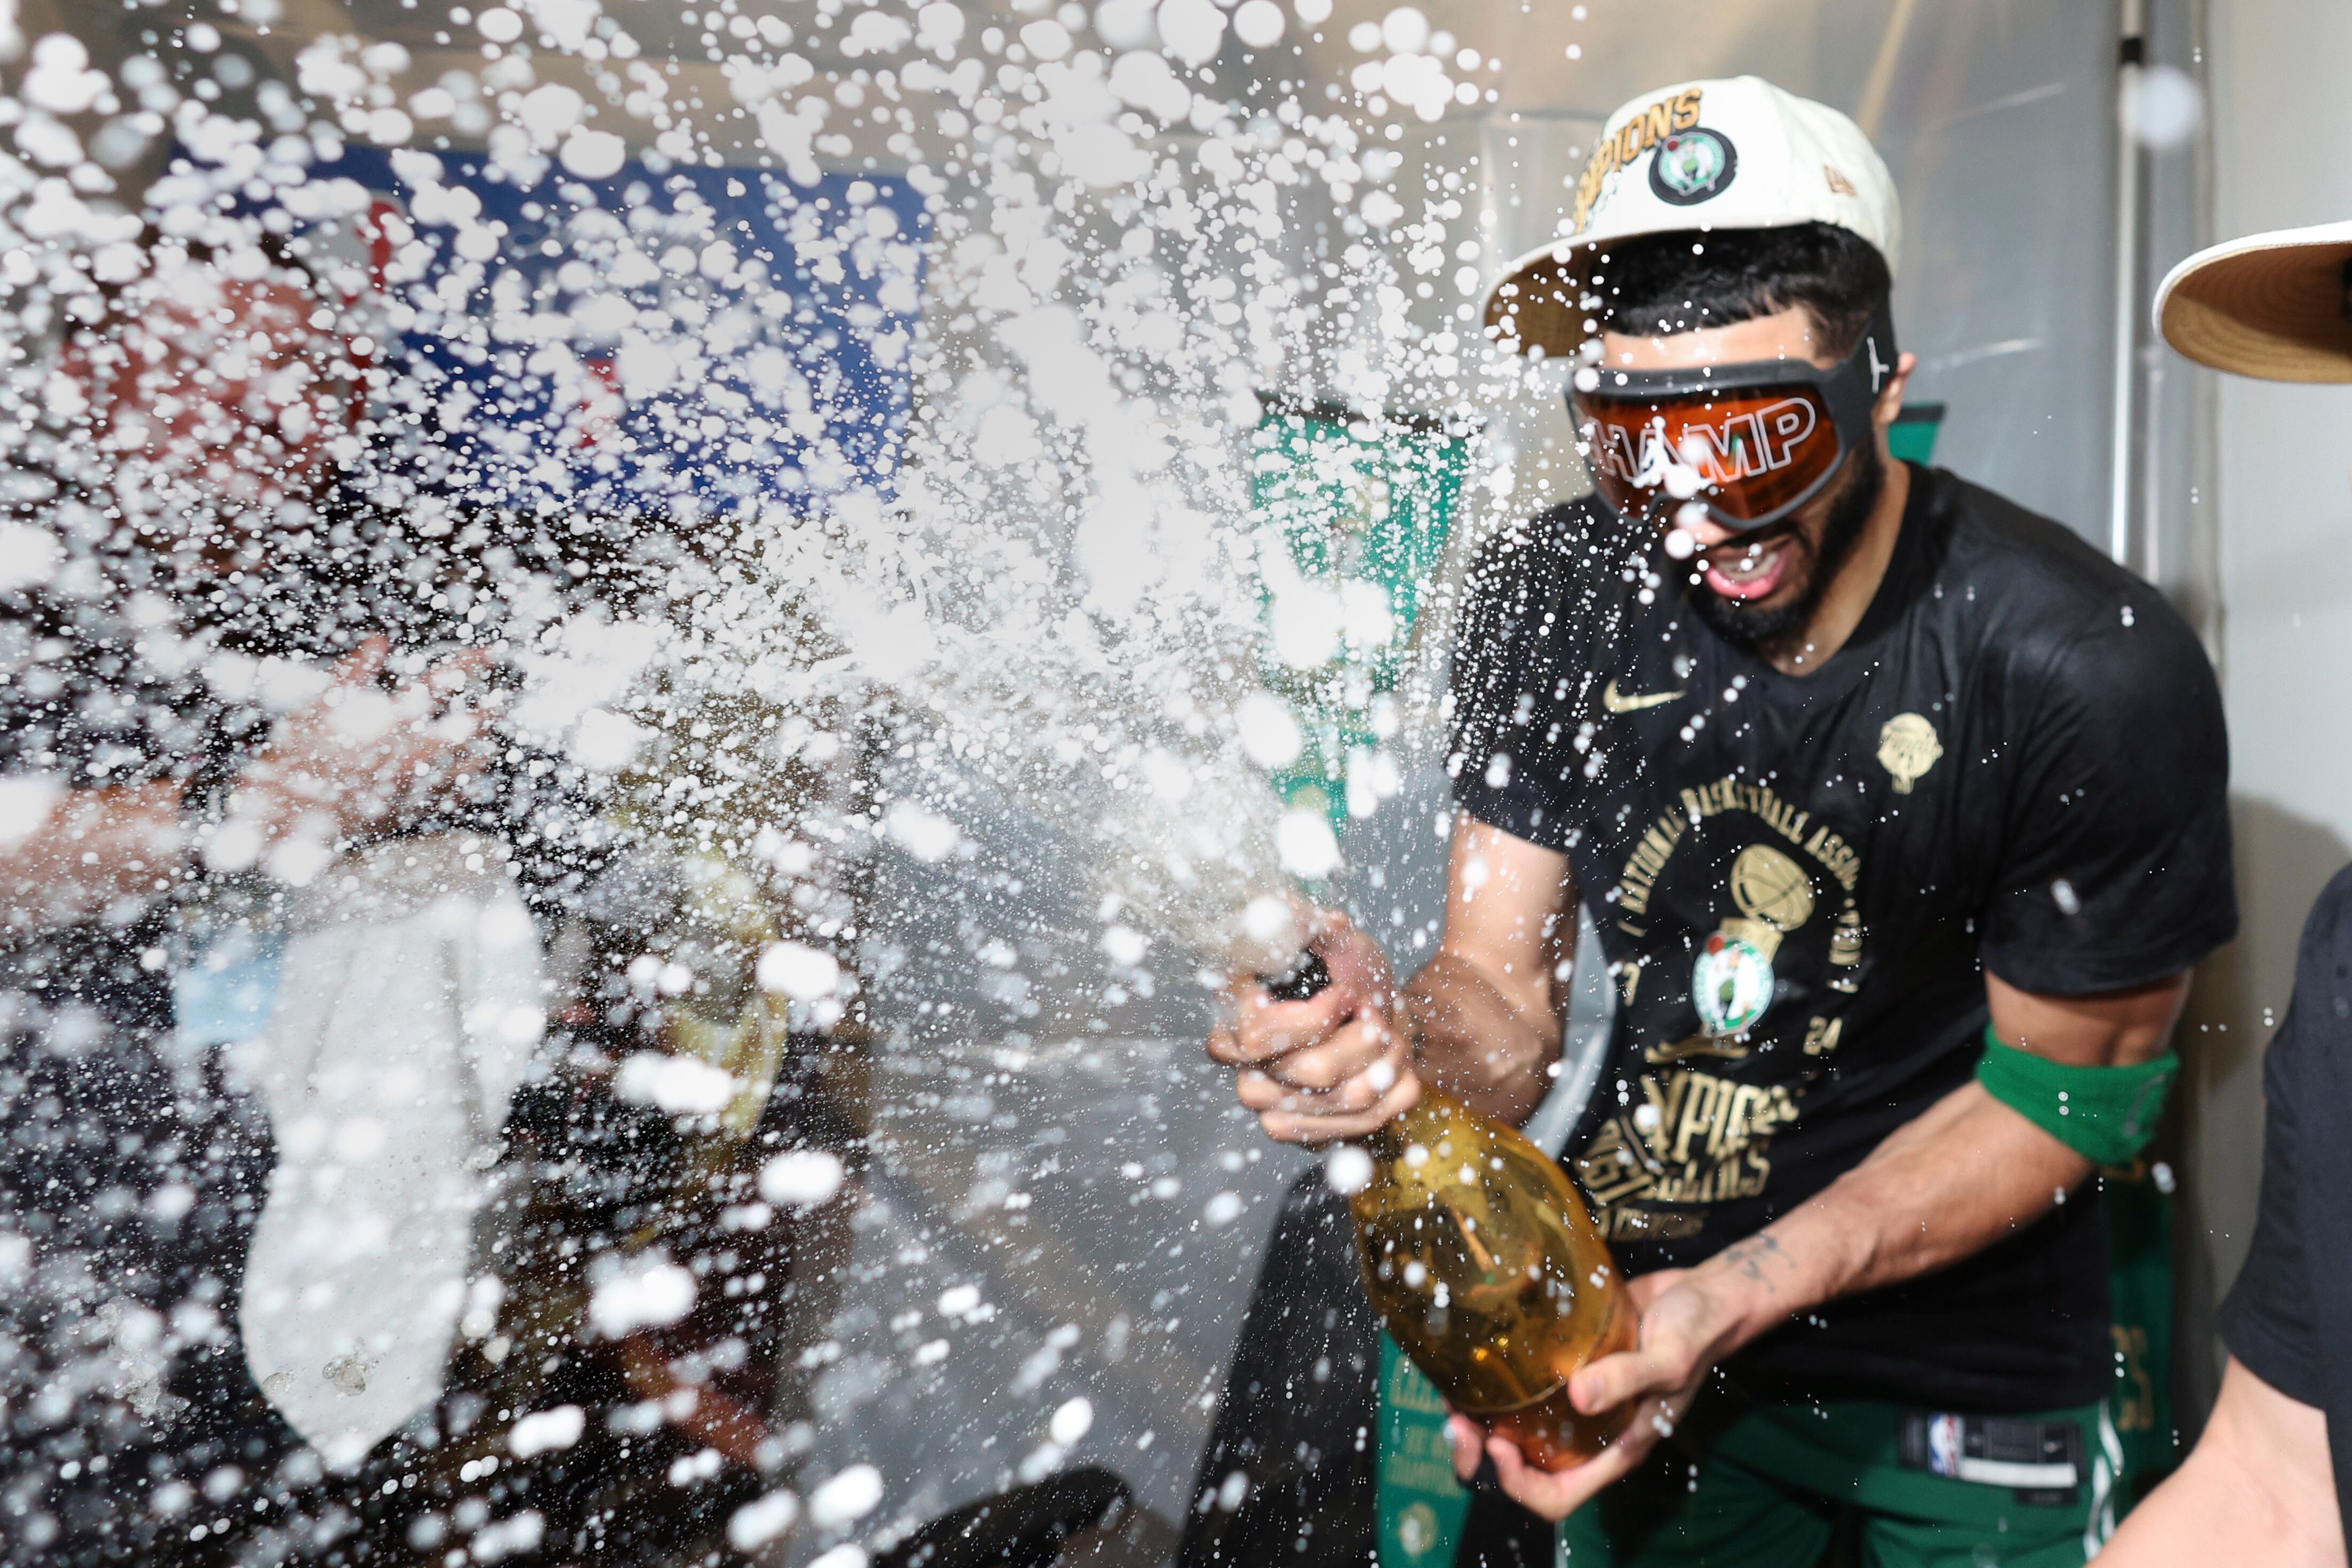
(1752, 443)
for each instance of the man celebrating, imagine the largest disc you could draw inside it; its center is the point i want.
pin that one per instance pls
(1900, 814)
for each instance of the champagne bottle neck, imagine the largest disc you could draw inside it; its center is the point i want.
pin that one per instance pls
(1421, 1125)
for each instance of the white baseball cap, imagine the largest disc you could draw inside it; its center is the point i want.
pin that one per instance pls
(2276, 305)
(1731, 154)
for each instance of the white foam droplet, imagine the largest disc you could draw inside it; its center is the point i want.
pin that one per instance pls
(758, 1522)
(846, 1498)
(1348, 1170)
(798, 971)
(1258, 24)
(801, 1178)
(547, 1431)
(1072, 1421)
(593, 155)
(1308, 847)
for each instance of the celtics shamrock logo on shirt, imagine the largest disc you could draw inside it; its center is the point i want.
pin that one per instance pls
(1731, 979)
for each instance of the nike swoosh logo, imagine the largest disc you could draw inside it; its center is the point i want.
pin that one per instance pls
(1617, 701)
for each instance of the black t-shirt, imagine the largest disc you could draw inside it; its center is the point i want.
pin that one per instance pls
(2016, 762)
(2290, 1314)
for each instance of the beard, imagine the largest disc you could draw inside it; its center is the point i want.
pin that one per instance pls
(1751, 625)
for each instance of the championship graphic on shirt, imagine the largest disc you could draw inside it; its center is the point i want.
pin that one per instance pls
(1697, 1137)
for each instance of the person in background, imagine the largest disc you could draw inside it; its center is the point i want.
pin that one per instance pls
(189, 1388)
(2273, 1467)
(1901, 815)
(163, 525)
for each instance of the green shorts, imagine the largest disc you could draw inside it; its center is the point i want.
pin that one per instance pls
(1860, 1483)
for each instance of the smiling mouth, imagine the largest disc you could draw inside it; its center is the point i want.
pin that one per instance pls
(1748, 572)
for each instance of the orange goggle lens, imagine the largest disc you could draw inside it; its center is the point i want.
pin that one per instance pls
(1756, 456)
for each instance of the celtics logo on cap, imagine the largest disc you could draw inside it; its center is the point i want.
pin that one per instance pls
(1692, 166)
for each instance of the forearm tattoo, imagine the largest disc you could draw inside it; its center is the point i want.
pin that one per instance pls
(1751, 1258)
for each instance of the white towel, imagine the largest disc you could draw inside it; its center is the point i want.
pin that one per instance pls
(409, 1000)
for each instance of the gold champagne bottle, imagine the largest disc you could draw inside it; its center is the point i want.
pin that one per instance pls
(1483, 1265)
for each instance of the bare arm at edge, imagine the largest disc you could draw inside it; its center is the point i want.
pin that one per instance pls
(2259, 1482)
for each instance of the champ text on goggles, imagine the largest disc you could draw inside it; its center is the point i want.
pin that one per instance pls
(1756, 441)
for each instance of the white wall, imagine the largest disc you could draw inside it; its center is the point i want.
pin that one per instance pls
(2281, 79)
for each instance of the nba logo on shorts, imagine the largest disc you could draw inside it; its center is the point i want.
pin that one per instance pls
(1945, 1446)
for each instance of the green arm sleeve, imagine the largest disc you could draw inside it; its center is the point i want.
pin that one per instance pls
(2106, 1114)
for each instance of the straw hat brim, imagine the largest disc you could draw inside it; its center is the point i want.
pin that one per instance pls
(2270, 305)
(1535, 304)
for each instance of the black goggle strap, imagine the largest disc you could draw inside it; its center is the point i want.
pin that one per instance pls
(1851, 388)
(1863, 373)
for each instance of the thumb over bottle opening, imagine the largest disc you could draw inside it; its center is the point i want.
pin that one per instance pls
(1306, 978)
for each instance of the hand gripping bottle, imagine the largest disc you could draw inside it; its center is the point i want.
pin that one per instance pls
(1483, 1265)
